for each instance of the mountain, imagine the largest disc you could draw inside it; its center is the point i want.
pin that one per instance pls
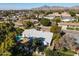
(75, 7)
(56, 8)
(42, 8)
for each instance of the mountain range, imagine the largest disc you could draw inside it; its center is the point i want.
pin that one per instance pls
(56, 8)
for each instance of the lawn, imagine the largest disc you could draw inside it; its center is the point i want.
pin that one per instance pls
(68, 53)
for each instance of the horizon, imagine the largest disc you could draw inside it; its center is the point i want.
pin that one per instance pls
(19, 6)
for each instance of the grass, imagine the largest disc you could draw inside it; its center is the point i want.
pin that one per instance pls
(68, 53)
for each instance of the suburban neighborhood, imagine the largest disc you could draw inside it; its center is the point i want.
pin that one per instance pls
(40, 31)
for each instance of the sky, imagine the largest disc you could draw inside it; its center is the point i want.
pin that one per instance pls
(4, 6)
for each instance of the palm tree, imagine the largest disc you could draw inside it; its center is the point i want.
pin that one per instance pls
(37, 13)
(57, 20)
(56, 39)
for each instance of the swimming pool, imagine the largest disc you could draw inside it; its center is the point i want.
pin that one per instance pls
(18, 37)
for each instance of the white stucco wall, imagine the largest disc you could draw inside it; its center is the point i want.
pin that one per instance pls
(49, 17)
(67, 19)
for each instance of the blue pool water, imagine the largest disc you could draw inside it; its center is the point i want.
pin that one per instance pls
(18, 37)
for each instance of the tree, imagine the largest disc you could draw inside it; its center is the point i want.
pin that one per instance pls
(32, 16)
(56, 35)
(38, 45)
(49, 12)
(28, 24)
(45, 22)
(48, 52)
(54, 52)
(19, 30)
(3, 31)
(37, 42)
(55, 29)
(7, 37)
(57, 20)
(60, 11)
(37, 13)
(20, 50)
(72, 13)
(77, 19)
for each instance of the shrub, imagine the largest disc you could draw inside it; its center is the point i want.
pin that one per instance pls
(45, 22)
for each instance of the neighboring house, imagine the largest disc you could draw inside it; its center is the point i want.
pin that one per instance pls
(14, 18)
(71, 26)
(18, 24)
(77, 15)
(33, 33)
(51, 16)
(34, 21)
(66, 17)
(41, 16)
(1, 17)
(6, 18)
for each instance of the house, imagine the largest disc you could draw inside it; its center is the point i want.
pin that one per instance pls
(51, 16)
(69, 26)
(34, 21)
(14, 18)
(33, 33)
(66, 17)
(77, 15)
(1, 17)
(18, 24)
(40, 16)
